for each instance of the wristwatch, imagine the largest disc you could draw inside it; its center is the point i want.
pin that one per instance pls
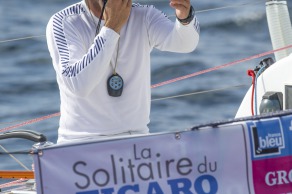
(189, 18)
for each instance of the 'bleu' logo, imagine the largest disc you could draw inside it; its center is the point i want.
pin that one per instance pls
(267, 138)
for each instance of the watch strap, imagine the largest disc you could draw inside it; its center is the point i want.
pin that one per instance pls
(189, 18)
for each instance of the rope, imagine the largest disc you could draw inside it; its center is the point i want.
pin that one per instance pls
(14, 158)
(160, 84)
(200, 92)
(218, 67)
(242, 119)
(252, 74)
(198, 11)
(255, 88)
(20, 152)
(30, 122)
(227, 7)
(232, 6)
(58, 114)
(23, 38)
(13, 183)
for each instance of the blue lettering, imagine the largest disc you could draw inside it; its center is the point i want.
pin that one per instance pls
(89, 192)
(154, 188)
(126, 188)
(212, 182)
(107, 191)
(185, 186)
(205, 184)
(103, 191)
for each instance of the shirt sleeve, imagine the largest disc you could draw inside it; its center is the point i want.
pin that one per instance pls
(78, 68)
(171, 36)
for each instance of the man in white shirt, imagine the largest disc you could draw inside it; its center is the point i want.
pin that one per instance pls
(101, 54)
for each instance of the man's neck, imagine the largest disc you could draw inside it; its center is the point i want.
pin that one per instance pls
(94, 7)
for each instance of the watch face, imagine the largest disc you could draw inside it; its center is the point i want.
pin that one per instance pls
(116, 82)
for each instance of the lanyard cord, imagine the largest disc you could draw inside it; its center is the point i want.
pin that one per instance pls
(101, 15)
(115, 67)
(97, 31)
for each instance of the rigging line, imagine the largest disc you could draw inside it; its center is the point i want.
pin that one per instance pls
(219, 67)
(231, 6)
(243, 119)
(23, 38)
(159, 99)
(14, 158)
(30, 122)
(198, 11)
(200, 92)
(12, 122)
(25, 152)
(23, 186)
(227, 7)
(11, 184)
(20, 186)
(160, 84)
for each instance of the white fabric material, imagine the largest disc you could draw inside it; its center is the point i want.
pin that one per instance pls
(83, 63)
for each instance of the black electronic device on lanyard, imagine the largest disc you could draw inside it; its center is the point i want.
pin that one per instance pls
(115, 85)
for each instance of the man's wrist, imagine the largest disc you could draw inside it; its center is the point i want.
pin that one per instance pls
(115, 27)
(189, 18)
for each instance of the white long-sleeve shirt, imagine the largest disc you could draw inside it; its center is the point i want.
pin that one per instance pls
(83, 63)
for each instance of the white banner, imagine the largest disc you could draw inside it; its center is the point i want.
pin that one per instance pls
(205, 161)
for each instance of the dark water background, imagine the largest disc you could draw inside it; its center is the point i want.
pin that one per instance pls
(28, 87)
